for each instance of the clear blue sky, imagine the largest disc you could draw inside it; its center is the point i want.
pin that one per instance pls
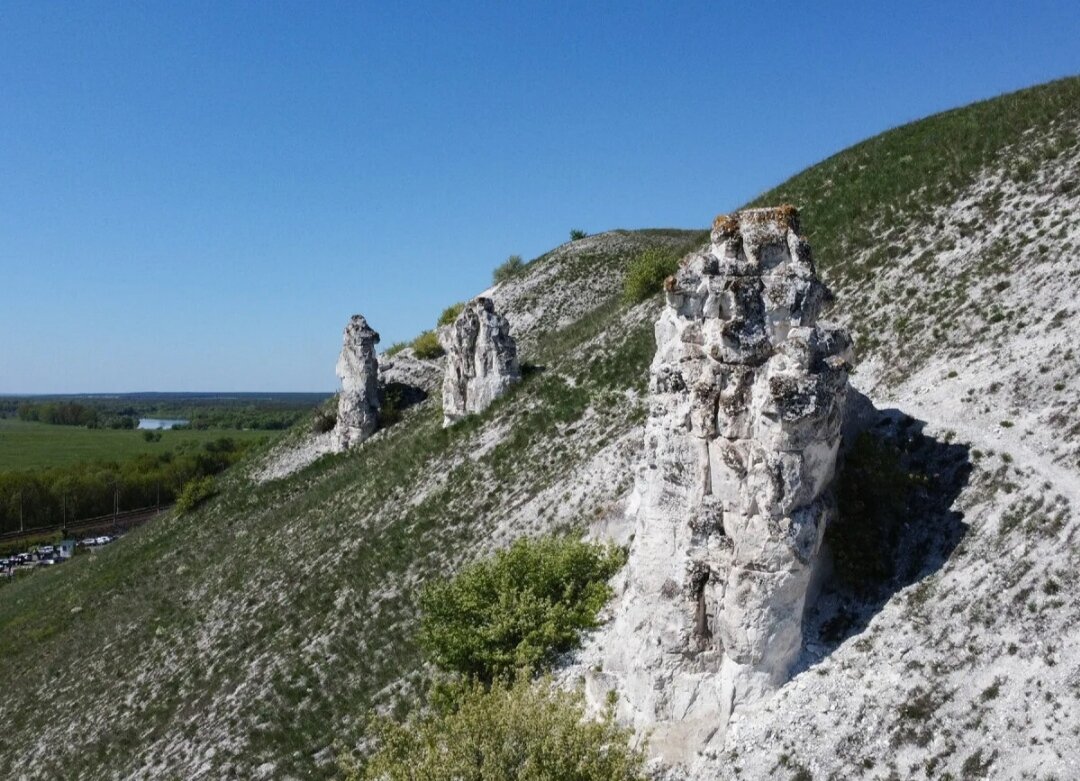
(196, 196)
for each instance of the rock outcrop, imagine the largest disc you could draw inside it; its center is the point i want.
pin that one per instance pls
(481, 360)
(358, 369)
(422, 376)
(746, 404)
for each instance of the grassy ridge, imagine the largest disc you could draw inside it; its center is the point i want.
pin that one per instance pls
(849, 202)
(26, 445)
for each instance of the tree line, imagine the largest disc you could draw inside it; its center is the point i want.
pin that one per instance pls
(106, 415)
(47, 497)
(59, 413)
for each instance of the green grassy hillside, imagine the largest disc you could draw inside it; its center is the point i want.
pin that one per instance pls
(252, 637)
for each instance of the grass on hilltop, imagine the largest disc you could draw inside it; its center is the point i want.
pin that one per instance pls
(849, 202)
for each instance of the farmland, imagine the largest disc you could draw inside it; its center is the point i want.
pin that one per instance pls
(29, 445)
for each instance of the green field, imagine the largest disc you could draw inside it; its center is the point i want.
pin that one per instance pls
(25, 445)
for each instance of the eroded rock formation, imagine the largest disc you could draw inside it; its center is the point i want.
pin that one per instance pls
(746, 404)
(358, 369)
(481, 360)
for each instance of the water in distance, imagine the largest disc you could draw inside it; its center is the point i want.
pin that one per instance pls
(160, 423)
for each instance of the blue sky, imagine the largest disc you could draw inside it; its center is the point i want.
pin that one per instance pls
(196, 196)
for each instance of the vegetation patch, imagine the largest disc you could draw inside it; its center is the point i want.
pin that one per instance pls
(508, 269)
(451, 313)
(647, 273)
(48, 497)
(195, 493)
(427, 346)
(873, 491)
(519, 730)
(519, 609)
(323, 421)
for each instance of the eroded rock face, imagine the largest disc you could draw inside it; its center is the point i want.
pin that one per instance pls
(358, 369)
(481, 360)
(746, 404)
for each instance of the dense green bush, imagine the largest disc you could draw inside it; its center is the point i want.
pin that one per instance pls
(324, 420)
(521, 731)
(194, 493)
(647, 272)
(576, 234)
(873, 492)
(395, 348)
(511, 267)
(450, 314)
(518, 609)
(426, 345)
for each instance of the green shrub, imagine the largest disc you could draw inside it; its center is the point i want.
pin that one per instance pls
(576, 234)
(427, 346)
(450, 314)
(873, 491)
(195, 493)
(395, 348)
(511, 267)
(522, 731)
(518, 609)
(647, 272)
(393, 402)
(324, 420)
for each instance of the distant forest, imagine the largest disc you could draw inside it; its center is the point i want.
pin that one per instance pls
(266, 412)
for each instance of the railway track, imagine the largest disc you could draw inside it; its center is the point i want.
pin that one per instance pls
(114, 522)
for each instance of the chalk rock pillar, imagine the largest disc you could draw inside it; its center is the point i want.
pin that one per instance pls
(746, 401)
(358, 369)
(481, 360)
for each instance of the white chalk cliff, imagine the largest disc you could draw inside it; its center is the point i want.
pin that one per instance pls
(746, 403)
(358, 369)
(481, 360)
